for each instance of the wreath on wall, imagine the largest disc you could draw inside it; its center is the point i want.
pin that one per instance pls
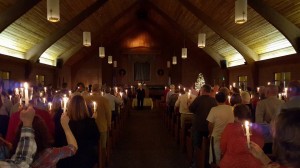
(122, 72)
(160, 72)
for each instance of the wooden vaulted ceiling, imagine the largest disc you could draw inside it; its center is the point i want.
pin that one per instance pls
(272, 29)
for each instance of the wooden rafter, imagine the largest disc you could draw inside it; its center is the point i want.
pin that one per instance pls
(77, 48)
(10, 15)
(249, 55)
(35, 52)
(216, 56)
(287, 28)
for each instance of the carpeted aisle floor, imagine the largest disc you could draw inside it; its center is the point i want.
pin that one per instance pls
(146, 144)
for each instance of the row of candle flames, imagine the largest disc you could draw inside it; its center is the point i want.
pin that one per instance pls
(23, 92)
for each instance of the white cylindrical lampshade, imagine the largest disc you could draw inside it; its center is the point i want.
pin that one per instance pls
(110, 59)
(87, 39)
(240, 11)
(201, 40)
(174, 60)
(184, 53)
(115, 64)
(53, 10)
(101, 52)
(168, 64)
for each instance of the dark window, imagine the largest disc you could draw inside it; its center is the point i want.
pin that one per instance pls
(142, 71)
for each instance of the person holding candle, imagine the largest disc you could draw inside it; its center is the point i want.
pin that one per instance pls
(103, 120)
(183, 102)
(218, 118)
(233, 144)
(86, 133)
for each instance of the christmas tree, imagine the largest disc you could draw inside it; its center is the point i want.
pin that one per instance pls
(200, 82)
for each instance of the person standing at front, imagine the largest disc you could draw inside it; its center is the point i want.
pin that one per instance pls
(140, 95)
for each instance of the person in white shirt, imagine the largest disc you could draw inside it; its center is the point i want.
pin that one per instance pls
(218, 118)
(113, 100)
(183, 103)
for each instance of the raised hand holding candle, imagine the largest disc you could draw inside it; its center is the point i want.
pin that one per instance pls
(247, 128)
(26, 94)
(95, 106)
(65, 99)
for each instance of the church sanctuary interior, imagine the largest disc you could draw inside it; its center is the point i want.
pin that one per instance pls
(137, 54)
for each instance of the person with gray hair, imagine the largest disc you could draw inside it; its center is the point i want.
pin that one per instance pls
(293, 95)
(266, 111)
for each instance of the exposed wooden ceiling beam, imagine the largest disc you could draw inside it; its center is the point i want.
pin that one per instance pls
(66, 56)
(287, 28)
(35, 52)
(10, 15)
(81, 59)
(216, 56)
(249, 55)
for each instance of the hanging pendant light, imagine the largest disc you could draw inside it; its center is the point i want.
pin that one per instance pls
(201, 40)
(115, 64)
(168, 64)
(174, 60)
(101, 52)
(240, 11)
(109, 59)
(87, 39)
(184, 53)
(53, 10)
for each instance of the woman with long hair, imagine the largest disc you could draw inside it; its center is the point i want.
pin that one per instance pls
(86, 133)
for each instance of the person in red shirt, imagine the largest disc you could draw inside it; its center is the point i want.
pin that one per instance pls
(15, 121)
(234, 150)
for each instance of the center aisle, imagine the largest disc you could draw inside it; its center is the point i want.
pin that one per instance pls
(145, 143)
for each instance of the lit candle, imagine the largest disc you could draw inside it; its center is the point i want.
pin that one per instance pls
(22, 92)
(44, 100)
(229, 97)
(70, 92)
(279, 96)
(102, 93)
(121, 94)
(165, 87)
(247, 125)
(269, 83)
(240, 90)
(189, 95)
(10, 97)
(233, 84)
(26, 94)
(50, 106)
(257, 89)
(179, 94)
(45, 89)
(95, 106)
(179, 87)
(116, 88)
(285, 91)
(65, 99)
(17, 91)
(126, 91)
(183, 89)
(41, 94)
(230, 87)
